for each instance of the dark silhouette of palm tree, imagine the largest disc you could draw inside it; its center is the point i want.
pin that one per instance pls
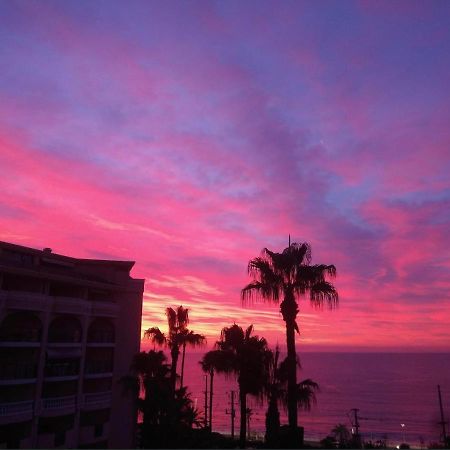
(178, 336)
(276, 392)
(194, 340)
(246, 356)
(167, 416)
(342, 434)
(150, 376)
(212, 361)
(289, 276)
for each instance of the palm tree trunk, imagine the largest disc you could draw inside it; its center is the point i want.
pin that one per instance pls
(289, 311)
(243, 428)
(211, 380)
(182, 364)
(292, 376)
(273, 423)
(173, 368)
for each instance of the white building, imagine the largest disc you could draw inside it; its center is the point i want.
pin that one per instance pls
(68, 331)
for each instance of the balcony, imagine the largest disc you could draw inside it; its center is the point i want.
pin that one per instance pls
(97, 400)
(104, 309)
(71, 305)
(16, 412)
(63, 371)
(58, 405)
(25, 301)
(98, 369)
(17, 373)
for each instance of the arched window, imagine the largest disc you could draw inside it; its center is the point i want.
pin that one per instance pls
(65, 329)
(101, 331)
(20, 327)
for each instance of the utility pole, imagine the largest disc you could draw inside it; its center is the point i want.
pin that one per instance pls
(442, 422)
(232, 414)
(206, 401)
(355, 423)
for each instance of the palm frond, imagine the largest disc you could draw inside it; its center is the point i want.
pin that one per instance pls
(171, 319)
(182, 317)
(265, 291)
(324, 291)
(306, 394)
(156, 335)
(193, 339)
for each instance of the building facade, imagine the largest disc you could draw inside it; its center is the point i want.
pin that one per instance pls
(68, 331)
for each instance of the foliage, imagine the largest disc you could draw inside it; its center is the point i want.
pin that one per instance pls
(289, 276)
(246, 356)
(276, 391)
(178, 336)
(342, 434)
(167, 415)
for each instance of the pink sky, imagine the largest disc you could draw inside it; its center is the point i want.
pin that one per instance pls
(188, 136)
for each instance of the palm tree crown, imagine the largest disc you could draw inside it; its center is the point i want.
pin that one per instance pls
(246, 356)
(289, 276)
(178, 336)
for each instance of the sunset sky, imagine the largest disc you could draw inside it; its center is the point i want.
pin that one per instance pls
(189, 135)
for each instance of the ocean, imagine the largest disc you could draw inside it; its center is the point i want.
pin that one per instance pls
(388, 389)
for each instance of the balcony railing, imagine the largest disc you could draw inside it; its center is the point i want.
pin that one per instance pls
(12, 409)
(93, 367)
(105, 309)
(17, 371)
(96, 398)
(72, 305)
(62, 369)
(25, 300)
(58, 403)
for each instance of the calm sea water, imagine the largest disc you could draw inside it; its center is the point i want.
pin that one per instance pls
(388, 389)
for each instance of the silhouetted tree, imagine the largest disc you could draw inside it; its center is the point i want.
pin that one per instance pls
(289, 276)
(193, 340)
(341, 434)
(246, 356)
(277, 392)
(212, 361)
(274, 391)
(178, 336)
(167, 416)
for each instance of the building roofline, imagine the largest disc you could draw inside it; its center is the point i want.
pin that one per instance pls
(127, 265)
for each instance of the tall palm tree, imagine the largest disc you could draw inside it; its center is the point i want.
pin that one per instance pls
(246, 356)
(212, 361)
(289, 276)
(178, 336)
(194, 340)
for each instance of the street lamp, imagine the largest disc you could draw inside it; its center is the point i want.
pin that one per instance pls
(403, 431)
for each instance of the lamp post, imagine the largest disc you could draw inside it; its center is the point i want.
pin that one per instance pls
(403, 431)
